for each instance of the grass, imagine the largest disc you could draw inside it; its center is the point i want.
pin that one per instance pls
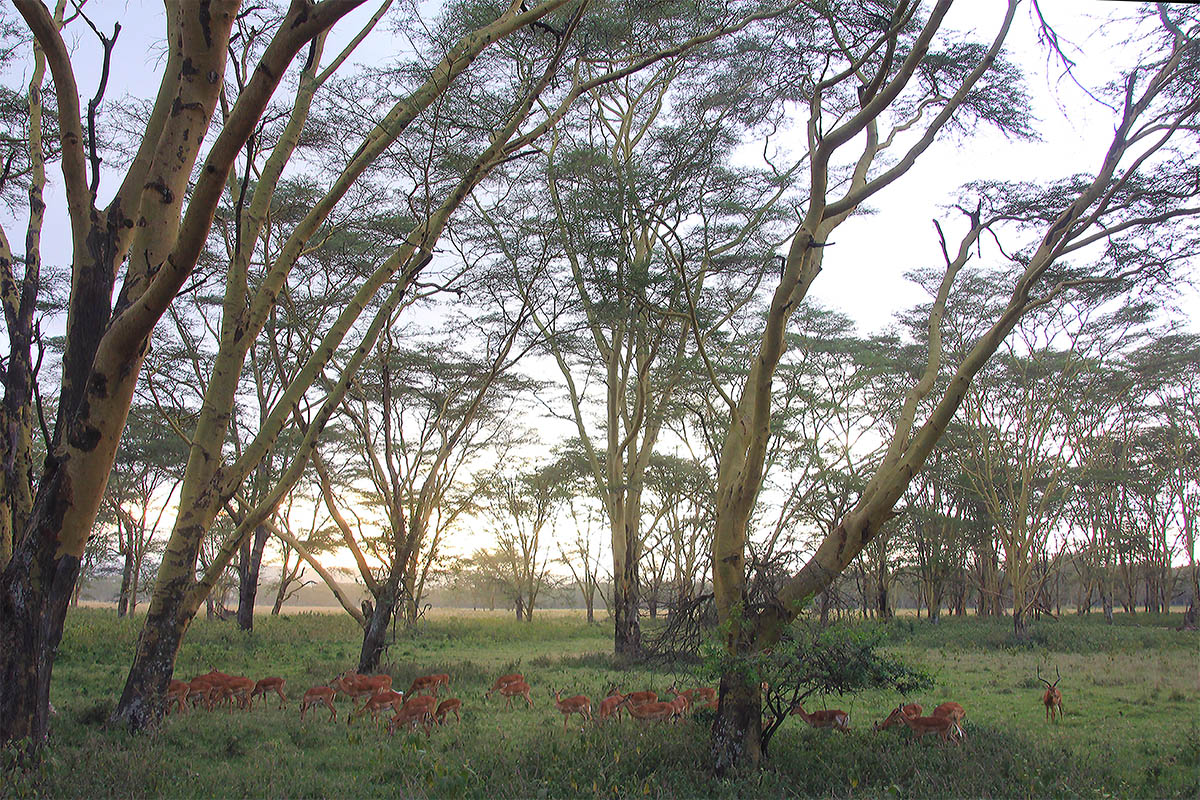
(1131, 693)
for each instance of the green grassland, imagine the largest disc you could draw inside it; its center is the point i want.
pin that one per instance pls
(1131, 693)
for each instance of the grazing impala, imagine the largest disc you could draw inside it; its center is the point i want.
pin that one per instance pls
(518, 689)
(430, 682)
(579, 704)
(610, 706)
(638, 698)
(355, 686)
(416, 710)
(377, 702)
(319, 694)
(707, 695)
(650, 712)
(1052, 698)
(828, 718)
(502, 681)
(269, 684)
(950, 710)
(908, 710)
(943, 726)
(451, 705)
(177, 693)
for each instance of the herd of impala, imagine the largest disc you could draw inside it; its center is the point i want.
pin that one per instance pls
(412, 708)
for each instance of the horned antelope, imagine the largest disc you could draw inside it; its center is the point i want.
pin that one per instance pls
(1052, 697)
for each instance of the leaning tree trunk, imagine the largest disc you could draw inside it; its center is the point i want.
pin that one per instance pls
(249, 565)
(378, 622)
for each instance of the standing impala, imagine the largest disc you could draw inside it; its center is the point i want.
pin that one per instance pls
(579, 704)
(611, 705)
(518, 689)
(828, 718)
(318, 694)
(943, 726)
(1052, 697)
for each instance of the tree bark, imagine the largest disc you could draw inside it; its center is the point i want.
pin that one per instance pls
(736, 740)
(248, 569)
(126, 582)
(378, 622)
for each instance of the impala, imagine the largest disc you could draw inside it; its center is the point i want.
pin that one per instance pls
(239, 689)
(502, 681)
(908, 710)
(377, 702)
(943, 726)
(177, 693)
(355, 686)
(579, 704)
(430, 682)
(706, 695)
(650, 712)
(685, 697)
(638, 698)
(318, 694)
(827, 718)
(610, 705)
(1052, 698)
(449, 706)
(950, 710)
(518, 689)
(269, 684)
(417, 709)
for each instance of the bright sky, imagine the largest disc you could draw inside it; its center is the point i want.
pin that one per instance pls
(871, 251)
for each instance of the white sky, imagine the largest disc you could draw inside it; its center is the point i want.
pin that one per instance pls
(871, 252)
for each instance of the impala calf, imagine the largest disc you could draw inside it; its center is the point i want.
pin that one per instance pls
(319, 694)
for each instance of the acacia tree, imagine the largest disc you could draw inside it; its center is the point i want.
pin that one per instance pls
(520, 505)
(106, 341)
(874, 64)
(624, 281)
